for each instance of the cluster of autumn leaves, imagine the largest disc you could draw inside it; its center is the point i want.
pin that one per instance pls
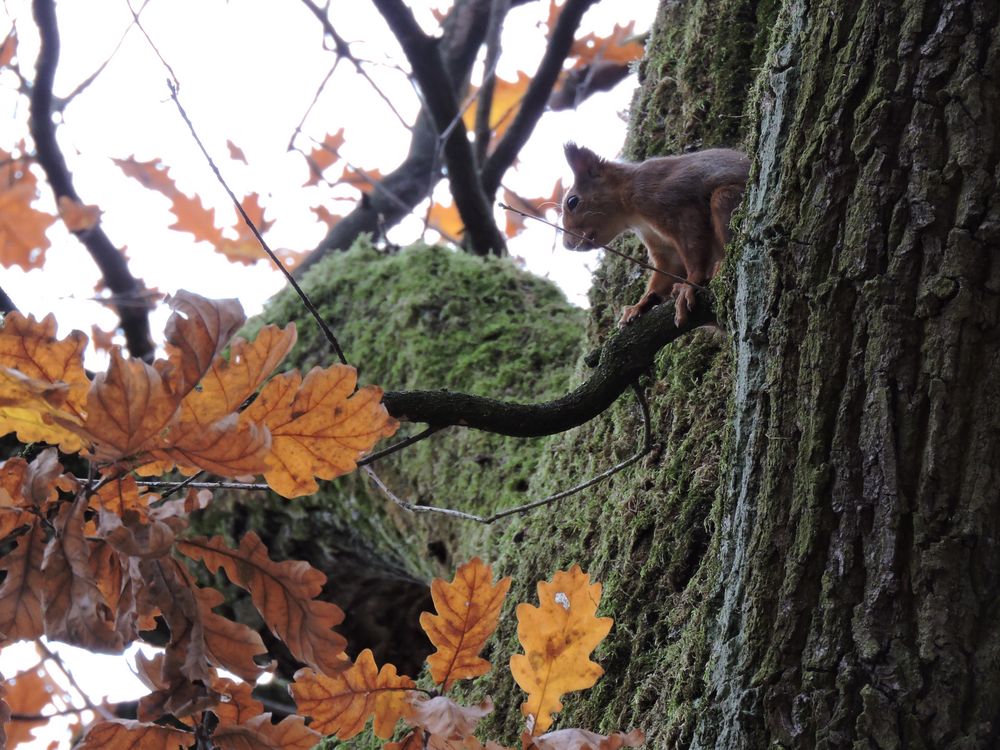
(95, 561)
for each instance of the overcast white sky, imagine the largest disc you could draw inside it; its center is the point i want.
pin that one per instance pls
(247, 71)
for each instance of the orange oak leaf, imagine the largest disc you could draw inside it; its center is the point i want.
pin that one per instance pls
(468, 611)
(621, 46)
(102, 340)
(343, 703)
(446, 220)
(364, 180)
(507, 96)
(151, 174)
(20, 595)
(533, 206)
(125, 734)
(76, 216)
(27, 694)
(230, 382)
(443, 717)
(27, 490)
(22, 228)
(284, 594)
(193, 217)
(557, 637)
(324, 155)
(319, 429)
(581, 739)
(326, 216)
(31, 347)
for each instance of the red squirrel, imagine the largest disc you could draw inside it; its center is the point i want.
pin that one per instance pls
(680, 207)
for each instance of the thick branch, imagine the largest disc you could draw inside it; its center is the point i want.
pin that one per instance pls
(624, 357)
(440, 97)
(463, 33)
(123, 285)
(536, 97)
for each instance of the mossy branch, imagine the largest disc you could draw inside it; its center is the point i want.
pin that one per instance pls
(625, 356)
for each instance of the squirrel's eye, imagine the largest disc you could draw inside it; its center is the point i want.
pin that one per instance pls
(572, 202)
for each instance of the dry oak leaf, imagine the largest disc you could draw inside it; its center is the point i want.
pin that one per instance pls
(326, 216)
(319, 429)
(231, 645)
(342, 704)
(258, 733)
(124, 734)
(441, 716)
(364, 180)
(238, 705)
(8, 49)
(76, 216)
(557, 637)
(283, 593)
(22, 228)
(581, 739)
(20, 595)
(193, 217)
(468, 611)
(196, 333)
(151, 174)
(27, 694)
(534, 206)
(73, 606)
(621, 46)
(235, 152)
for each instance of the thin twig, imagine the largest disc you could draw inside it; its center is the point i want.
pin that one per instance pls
(156, 51)
(322, 85)
(203, 485)
(343, 50)
(54, 658)
(619, 253)
(405, 443)
(182, 484)
(270, 253)
(646, 447)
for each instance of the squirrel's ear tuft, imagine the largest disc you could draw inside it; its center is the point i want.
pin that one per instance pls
(583, 161)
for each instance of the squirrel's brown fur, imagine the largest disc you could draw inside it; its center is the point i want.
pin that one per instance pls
(680, 206)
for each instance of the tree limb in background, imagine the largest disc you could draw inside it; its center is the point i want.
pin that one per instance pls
(109, 259)
(623, 358)
(485, 101)
(439, 95)
(537, 95)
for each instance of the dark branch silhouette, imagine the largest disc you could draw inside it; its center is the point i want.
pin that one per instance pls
(624, 357)
(126, 289)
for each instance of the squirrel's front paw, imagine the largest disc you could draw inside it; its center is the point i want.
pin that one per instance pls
(629, 313)
(683, 295)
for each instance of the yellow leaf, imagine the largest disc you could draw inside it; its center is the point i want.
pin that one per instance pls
(343, 703)
(507, 96)
(557, 637)
(446, 220)
(318, 430)
(35, 410)
(468, 611)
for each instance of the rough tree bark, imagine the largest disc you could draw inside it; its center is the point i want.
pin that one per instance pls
(856, 599)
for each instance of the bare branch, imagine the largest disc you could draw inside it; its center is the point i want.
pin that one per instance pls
(270, 253)
(498, 12)
(440, 99)
(535, 98)
(111, 262)
(646, 447)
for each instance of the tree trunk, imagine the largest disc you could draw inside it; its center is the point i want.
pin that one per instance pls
(856, 604)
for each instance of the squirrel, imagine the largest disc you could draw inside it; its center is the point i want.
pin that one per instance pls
(680, 207)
